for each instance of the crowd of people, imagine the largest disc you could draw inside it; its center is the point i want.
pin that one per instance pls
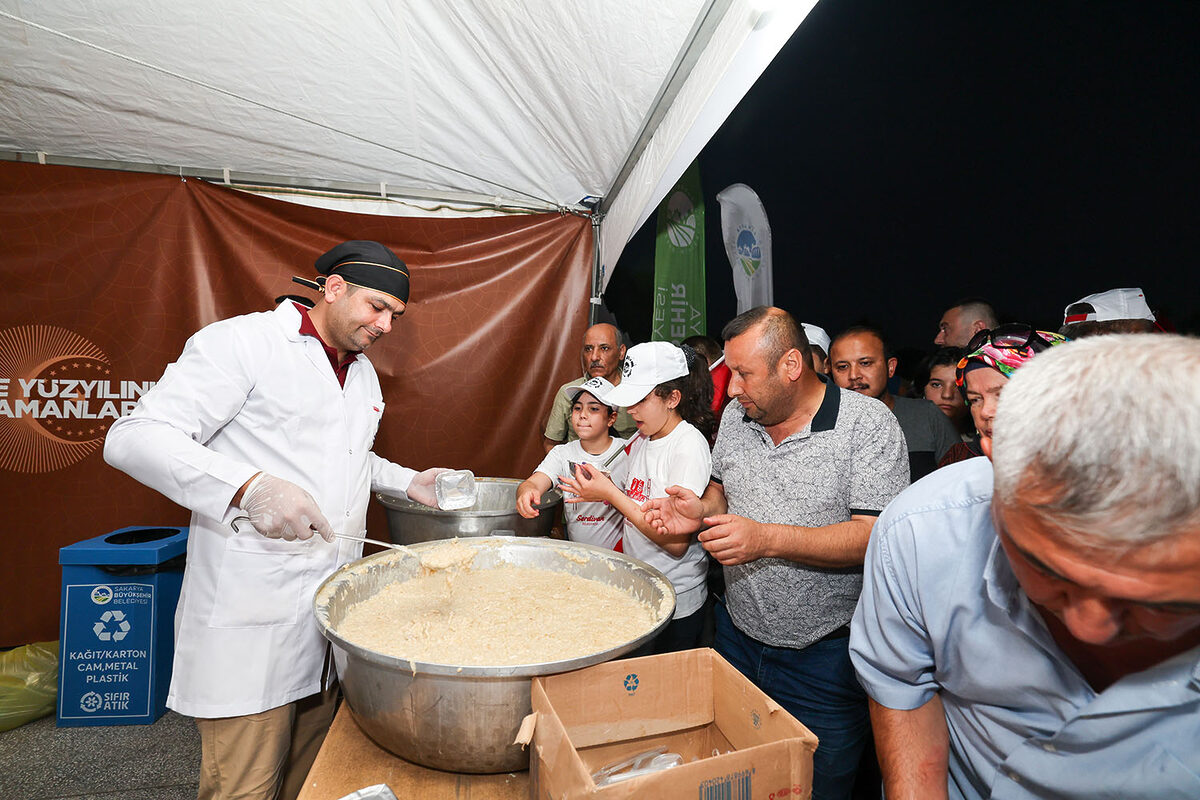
(1025, 623)
(1004, 631)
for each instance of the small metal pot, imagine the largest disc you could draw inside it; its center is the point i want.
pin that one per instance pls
(494, 512)
(464, 718)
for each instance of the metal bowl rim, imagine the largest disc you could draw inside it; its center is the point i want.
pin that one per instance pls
(406, 506)
(501, 672)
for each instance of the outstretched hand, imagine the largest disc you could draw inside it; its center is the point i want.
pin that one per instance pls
(680, 512)
(422, 488)
(526, 500)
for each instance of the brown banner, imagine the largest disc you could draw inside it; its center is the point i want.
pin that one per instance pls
(106, 274)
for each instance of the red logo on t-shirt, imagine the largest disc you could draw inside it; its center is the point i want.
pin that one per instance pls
(639, 489)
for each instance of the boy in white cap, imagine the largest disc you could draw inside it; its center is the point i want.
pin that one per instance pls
(668, 393)
(595, 523)
(1114, 311)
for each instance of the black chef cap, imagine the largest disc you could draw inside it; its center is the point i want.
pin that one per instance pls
(362, 263)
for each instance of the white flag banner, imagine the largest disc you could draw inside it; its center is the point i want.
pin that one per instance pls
(748, 245)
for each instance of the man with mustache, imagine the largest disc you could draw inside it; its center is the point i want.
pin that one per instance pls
(860, 362)
(601, 356)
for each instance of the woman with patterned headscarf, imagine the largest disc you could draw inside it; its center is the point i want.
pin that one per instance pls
(991, 359)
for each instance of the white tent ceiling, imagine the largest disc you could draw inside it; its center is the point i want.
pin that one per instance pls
(533, 104)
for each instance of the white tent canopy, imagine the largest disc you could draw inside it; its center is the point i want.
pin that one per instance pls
(537, 104)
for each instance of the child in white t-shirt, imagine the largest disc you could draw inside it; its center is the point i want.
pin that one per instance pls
(595, 523)
(668, 393)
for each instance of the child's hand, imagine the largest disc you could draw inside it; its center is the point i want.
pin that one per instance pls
(526, 500)
(588, 485)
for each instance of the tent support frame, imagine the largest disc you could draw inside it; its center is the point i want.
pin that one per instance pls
(698, 38)
(595, 300)
(255, 179)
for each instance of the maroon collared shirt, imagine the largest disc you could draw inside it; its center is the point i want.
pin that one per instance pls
(308, 329)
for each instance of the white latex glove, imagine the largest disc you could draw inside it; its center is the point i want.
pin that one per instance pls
(422, 489)
(279, 509)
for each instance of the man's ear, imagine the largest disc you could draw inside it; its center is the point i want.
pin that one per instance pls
(977, 326)
(794, 364)
(335, 287)
(892, 367)
(621, 353)
(985, 444)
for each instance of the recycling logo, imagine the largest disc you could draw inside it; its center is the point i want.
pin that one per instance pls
(107, 632)
(90, 702)
(631, 682)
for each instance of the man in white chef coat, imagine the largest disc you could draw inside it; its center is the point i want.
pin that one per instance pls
(269, 416)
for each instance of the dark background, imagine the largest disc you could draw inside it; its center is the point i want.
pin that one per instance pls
(910, 154)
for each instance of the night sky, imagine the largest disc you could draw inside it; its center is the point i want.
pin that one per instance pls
(909, 154)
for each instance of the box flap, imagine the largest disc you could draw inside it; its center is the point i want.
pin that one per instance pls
(746, 715)
(633, 698)
(555, 768)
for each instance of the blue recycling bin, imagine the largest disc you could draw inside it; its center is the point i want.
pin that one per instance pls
(117, 628)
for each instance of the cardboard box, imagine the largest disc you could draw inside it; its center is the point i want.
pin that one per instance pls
(692, 702)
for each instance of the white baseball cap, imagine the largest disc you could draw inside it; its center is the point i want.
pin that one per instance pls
(816, 335)
(597, 387)
(646, 366)
(1108, 306)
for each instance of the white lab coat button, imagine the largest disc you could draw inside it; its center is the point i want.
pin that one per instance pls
(1049, 748)
(1014, 777)
(352, 451)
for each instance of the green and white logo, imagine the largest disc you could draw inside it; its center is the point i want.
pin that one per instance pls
(681, 220)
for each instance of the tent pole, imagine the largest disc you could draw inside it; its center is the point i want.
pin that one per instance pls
(597, 272)
(702, 32)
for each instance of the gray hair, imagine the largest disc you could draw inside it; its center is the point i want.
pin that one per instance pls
(1104, 435)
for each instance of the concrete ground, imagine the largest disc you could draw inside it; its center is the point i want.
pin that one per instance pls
(39, 761)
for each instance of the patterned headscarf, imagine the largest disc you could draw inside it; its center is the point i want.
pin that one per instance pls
(1005, 360)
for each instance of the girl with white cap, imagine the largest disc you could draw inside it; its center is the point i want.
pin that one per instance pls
(668, 393)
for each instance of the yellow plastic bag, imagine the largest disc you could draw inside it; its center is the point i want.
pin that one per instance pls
(28, 683)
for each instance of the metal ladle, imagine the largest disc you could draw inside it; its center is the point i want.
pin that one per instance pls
(391, 545)
(458, 561)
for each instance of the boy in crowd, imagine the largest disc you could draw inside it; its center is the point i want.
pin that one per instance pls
(591, 523)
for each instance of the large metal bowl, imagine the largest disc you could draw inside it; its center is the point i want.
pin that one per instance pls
(494, 512)
(464, 718)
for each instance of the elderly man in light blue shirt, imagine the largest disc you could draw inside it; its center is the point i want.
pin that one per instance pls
(1029, 626)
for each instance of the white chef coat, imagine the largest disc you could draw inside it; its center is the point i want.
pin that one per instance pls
(252, 394)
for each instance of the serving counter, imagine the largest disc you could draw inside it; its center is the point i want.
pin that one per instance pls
(350, 761)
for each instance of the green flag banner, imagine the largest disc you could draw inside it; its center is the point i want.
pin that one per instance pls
(679, 308)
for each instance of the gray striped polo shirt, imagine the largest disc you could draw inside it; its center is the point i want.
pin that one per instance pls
(851, 459)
